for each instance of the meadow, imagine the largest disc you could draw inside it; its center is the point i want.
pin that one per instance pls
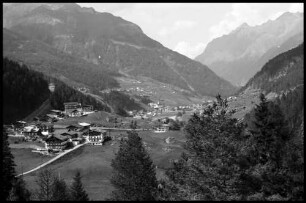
(94, 162)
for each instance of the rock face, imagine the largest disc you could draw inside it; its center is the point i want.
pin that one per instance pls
(112, 42)
(240, 54)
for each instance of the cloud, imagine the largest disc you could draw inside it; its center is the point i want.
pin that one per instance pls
(251, 13)
(296, 7)
(189, 50)
(178, 25)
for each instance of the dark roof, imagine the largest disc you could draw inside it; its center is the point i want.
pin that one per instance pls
(94, 133)
(71, 103)
(72, 126)
(87, 105)
(59, 138)
(85, 128)
(65, 134)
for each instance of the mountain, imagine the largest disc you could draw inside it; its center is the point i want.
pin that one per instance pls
(112, 43)
(238, 55)
(26, 90)
(281, 74)
(52, 62)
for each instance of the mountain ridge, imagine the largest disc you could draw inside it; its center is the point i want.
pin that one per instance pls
(116, 44)
(241, 50)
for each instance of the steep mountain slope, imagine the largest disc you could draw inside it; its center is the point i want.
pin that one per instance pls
(26, 93)
(23, 91)
(111, 42)
(42, 57)
(281, 74)
(240, 54)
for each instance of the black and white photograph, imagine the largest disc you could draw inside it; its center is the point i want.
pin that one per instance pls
(144, 101)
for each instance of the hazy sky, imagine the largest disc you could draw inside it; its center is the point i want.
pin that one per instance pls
(188, 27)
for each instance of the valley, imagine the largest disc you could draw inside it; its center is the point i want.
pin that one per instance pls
(91, 91)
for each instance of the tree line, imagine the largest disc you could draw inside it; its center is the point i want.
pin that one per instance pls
(224, 160)
(64, 93)
(50, 187)
(24, 90)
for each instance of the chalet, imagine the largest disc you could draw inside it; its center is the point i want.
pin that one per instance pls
(31, 131)
(75, 113)
(46, 127)
(72, 128)
(72, 108)
(19, 125)
(56, 142)
(87, 109)
(96, 137)
(162, 129)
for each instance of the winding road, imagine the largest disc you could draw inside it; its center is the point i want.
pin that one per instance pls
(52, 160)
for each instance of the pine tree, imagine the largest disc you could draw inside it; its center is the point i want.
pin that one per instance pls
(60, 191)
(209, 168)
(270, 132)
(19, 191)
(134, 175)
(77, 190)
(265, 152)
(8, 170)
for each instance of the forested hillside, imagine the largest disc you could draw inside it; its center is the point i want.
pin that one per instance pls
(281, 73)
(44, 58)
(121, 102)
(63, 93)
(24, 90)
(104, 42)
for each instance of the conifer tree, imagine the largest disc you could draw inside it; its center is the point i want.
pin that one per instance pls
(77, 190)
(8, 170)
(60, 191)
(134, 175)
(19, 191)
(209, 168)
(265, 151)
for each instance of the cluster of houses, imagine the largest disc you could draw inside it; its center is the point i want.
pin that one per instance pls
(58, 139)
(72, 109)
(75, 134)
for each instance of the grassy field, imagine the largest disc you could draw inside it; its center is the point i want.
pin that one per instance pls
(26, 160)
(94, 162)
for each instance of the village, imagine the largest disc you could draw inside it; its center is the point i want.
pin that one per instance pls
(159, 118)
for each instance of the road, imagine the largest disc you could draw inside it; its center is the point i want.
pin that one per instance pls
(52, 160)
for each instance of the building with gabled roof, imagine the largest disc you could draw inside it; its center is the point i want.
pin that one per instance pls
(56, 142)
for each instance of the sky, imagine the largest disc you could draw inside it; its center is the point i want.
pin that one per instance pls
(188, 27)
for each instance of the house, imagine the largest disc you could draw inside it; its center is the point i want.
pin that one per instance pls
(87, 109)
(162, 129)
(46, 127)
(73, 108)
(31, 131)
(56, 142)
(96, 137)
(72, 128)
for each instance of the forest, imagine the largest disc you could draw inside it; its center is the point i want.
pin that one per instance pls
(24, 90)
(64, 93)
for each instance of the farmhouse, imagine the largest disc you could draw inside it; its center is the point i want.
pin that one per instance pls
(31, 131)
(162, 129)
(96, 137)
(72, 108)
(56, 142)
(72, 128)
(87, 109)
